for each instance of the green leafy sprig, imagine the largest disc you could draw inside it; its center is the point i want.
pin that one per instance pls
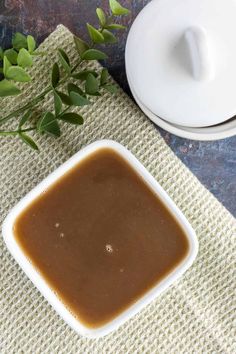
(89, 83)
(14, 63)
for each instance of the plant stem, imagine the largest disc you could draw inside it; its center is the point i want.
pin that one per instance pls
(42, 94)
(76, 66)
(26, 106)
(65, 110)
(16, 132)
(37, 98)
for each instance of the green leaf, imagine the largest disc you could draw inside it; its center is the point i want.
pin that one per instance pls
(117, 9)
(94, 34)
(57, 103)
(111, 88)
(82, 75)
(64, 60)
(49, 124)
(72, 118)
(65, 99)
(64, 55)
(1, 53)
(31, 44)
(24, 118)
(11, 55)
(19, 41)
(78, 100)
(81, 46)
(109, 37)
(6, 65)
(28, 140)
(115, 26)
(55, 77)
(7, 88)
(104, 77)
(101, 16)
(24, 58)
(94, 54)
(91, 85)
(74, 88)
(18, 74)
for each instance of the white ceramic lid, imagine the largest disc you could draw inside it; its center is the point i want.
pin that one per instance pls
(181, 60)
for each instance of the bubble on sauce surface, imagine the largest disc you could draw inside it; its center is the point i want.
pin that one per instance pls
(109, 248)
(57, 224)
(62, 234)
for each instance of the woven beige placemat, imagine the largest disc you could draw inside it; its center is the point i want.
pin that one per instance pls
(196, 315)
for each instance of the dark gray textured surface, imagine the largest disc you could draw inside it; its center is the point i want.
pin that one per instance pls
(214, 163)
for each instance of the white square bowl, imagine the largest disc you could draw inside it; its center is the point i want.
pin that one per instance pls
(39, 281)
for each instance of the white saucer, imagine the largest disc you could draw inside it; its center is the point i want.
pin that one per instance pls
(222, 131)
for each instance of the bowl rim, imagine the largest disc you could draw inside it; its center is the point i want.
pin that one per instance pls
(42, 285)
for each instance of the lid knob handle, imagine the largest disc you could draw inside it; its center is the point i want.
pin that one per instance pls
(199, 51)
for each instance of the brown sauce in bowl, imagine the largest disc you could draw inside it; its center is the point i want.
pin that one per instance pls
(100, 237)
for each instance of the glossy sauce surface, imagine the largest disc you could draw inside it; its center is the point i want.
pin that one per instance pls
(100, 237)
